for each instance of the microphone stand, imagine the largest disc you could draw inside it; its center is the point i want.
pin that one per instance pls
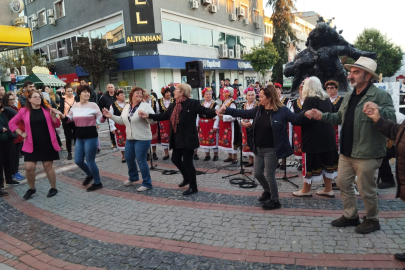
(244, 181)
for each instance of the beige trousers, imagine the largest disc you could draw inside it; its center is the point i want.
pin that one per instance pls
(365, 170)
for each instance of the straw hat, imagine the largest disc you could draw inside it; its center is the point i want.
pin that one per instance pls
(366, 64)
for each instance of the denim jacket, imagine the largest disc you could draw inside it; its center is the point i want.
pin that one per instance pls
(279, 122)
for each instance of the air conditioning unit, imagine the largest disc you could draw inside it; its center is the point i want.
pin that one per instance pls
(231, 53)
(232, 17)
(206, 2)
(34, 25)
(52, 21)
(257, 25)
(237, 51)
(194, 4)
(244, 51)
(241, 12)
(34, 17)
(213, 9)
(245, 21)
(223, 51)
(23, 70)
(50, 13)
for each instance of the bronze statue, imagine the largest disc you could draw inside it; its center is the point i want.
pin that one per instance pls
(321, 57)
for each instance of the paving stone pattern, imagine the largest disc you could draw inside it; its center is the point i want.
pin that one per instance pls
(77, 249)
(245, 230)
(217, 198)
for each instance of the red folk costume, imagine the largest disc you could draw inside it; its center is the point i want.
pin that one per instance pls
(245, 146)
(154, 127)
(296, 138)
(228, 132)
(164, 126)
(206, 135)
(120, 135)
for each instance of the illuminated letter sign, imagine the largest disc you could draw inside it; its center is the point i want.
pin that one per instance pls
(142, 19)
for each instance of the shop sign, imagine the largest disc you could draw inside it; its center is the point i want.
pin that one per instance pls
(144, 38)
(244, 65)
(211, 64)
(141, 17)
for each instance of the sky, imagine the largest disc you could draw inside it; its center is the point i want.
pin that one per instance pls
(352, 16)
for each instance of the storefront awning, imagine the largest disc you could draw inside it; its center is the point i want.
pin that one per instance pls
(40, 80)
(13, 37)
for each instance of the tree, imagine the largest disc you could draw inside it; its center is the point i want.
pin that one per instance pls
(263, 59)
(22, 57)
(283, 33)
(95, 58)
(389, 55)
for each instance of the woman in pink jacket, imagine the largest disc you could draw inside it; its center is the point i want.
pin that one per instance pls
(40, 143)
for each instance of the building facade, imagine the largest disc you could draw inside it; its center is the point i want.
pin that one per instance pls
(152, 39)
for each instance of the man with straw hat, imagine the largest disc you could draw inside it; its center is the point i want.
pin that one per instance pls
(362, 147)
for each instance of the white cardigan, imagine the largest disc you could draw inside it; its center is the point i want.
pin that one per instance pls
(138, 128)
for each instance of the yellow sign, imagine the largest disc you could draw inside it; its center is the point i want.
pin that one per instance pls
(144, 38)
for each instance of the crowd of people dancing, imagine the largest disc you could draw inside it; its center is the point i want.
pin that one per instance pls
(332, 137)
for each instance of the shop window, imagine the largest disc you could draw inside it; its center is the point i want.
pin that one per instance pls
(59, 9)
(218, 38)
(62, 48)
(53, 53)
(189, 34)
(205, 37)
(41, 18)
(171, 31)
(230, 6)
(114, 33)
(230, 41)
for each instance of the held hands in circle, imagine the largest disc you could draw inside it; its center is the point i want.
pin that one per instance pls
(371, 110)
(313, 114)
(143, 114)
(106, 113)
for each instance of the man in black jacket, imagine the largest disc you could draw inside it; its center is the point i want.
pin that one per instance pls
(183, 134)
(106, 101)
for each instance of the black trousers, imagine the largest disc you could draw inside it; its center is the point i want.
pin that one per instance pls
(70, 134)
(15, 157)
(6, 148)
(385, 172)
(183, 159)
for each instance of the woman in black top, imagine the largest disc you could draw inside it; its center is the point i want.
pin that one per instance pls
(320, 157)
(270, 140)
(183, 137)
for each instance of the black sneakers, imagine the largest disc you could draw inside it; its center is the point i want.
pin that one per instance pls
(29, 193)
(265, 196)
(271, 205)
(345, 222)
(52, 192)
(94, 187)
(368, 226)
(87, 180)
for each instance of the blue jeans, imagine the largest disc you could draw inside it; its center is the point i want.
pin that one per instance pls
(86, 148)
(136, 149)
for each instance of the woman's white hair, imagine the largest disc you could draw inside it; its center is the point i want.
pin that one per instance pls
(313, 88)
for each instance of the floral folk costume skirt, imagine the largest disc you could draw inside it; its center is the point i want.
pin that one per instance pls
(315, 166)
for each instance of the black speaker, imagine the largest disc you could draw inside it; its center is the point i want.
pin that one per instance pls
(195, 74)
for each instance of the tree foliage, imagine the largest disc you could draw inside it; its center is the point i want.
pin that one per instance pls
(22, 57)
(283, 33)
(264, 58)
(389, 55)
(95, 58)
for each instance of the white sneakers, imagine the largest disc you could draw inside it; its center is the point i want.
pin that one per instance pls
(129, 183)
(140, 189)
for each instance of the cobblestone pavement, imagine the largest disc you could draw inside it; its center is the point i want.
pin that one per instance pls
(221, 227)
